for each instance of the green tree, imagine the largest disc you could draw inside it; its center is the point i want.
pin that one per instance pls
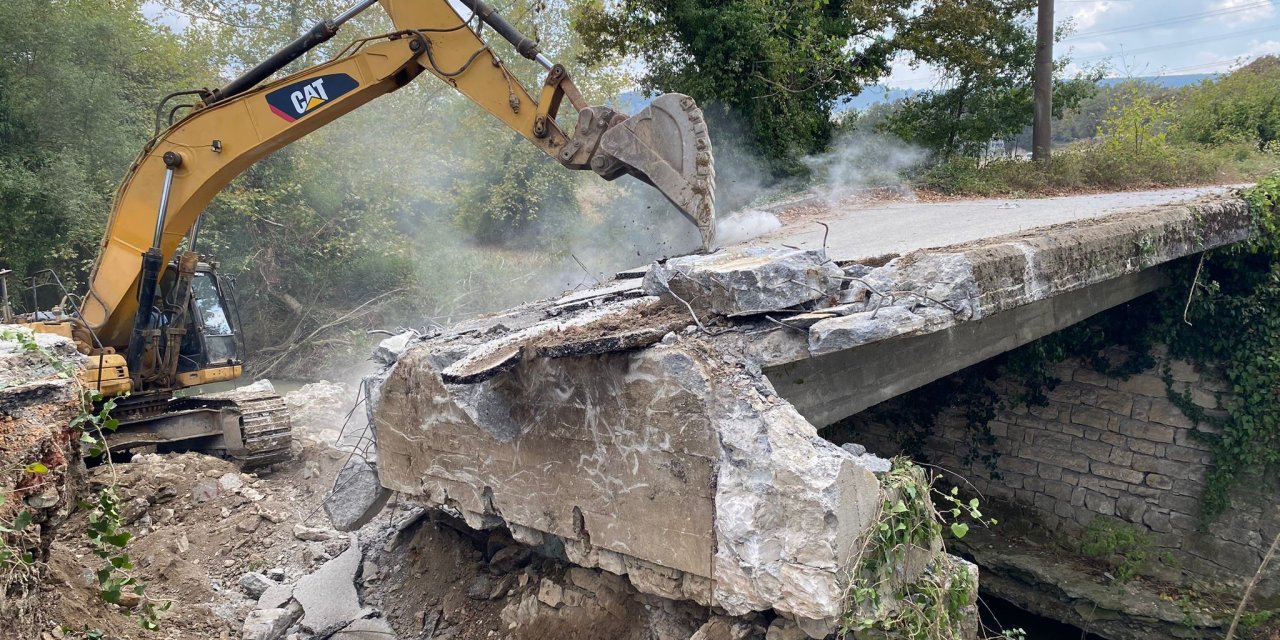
(987, 93)
(1243, 106)
(73, 115)
(781, 67)
(1081, 122)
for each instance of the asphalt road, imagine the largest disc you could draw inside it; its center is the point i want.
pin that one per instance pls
(864, 231)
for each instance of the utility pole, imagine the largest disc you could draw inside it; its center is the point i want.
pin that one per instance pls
(1042, 81)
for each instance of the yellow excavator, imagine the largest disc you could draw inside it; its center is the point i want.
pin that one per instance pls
(156, 320)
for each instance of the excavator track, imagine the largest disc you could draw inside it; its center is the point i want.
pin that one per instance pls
(249, 425)
(264, 423)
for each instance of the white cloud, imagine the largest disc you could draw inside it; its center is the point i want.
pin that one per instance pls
(1266, 48)
(1087, 14)
(1255, 12)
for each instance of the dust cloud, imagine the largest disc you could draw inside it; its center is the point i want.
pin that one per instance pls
(862, 161)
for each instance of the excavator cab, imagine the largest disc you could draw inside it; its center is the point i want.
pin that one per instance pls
(213, 338)
(211, 348)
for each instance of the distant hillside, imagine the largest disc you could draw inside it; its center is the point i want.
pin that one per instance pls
(632, 101)
(1168, 82)
(877, 94)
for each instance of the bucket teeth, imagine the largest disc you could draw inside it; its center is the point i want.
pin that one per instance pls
(666, 144)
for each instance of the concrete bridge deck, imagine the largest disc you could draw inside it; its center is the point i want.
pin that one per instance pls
(665, 425)
(861, 230)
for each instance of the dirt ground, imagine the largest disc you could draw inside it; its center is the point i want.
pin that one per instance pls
(190, 549)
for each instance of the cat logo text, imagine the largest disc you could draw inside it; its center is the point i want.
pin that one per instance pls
(301, 98)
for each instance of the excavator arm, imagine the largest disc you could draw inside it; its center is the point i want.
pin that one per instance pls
(160, 201)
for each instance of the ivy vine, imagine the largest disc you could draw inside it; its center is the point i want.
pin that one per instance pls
(1232, 323)
(909, 519)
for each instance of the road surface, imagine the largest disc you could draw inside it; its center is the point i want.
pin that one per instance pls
(877, 229)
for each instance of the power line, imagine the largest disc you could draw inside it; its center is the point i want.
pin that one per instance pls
(1153, 24)
(1209, 65)
(1182, 43)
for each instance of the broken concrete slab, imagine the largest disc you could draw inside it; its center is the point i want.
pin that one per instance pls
(484, 364)
(270, 624)
(609, 343)
(681, 471)
(255, 584)
(632, 273)
(275, 597)
(621, 290)
(328, 596)
(356, 498)
(746, 282)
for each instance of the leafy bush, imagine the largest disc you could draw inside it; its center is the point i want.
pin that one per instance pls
(1120, 546)
(1243, 106)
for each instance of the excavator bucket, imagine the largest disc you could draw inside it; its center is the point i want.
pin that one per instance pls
(666, 145)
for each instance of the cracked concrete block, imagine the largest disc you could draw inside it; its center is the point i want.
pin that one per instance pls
(658, 464)
(276, 596)
(391, 348)
(328, 596)
(846, 332)
(269, 624)
(747, 281)
(356, 498)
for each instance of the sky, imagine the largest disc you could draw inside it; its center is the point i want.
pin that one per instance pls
(1129, 37)
(1150, 37)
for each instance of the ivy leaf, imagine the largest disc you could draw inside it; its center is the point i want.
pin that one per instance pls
(117, 540)
(22, 521)
(959, 529)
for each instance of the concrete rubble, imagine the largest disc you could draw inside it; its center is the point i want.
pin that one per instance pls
(328, 596)
(357, 496)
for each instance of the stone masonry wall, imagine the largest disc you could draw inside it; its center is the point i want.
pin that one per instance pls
(1118, 448)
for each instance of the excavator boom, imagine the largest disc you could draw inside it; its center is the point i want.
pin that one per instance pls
(185, 166)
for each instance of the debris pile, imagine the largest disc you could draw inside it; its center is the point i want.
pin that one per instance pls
(40, 479)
